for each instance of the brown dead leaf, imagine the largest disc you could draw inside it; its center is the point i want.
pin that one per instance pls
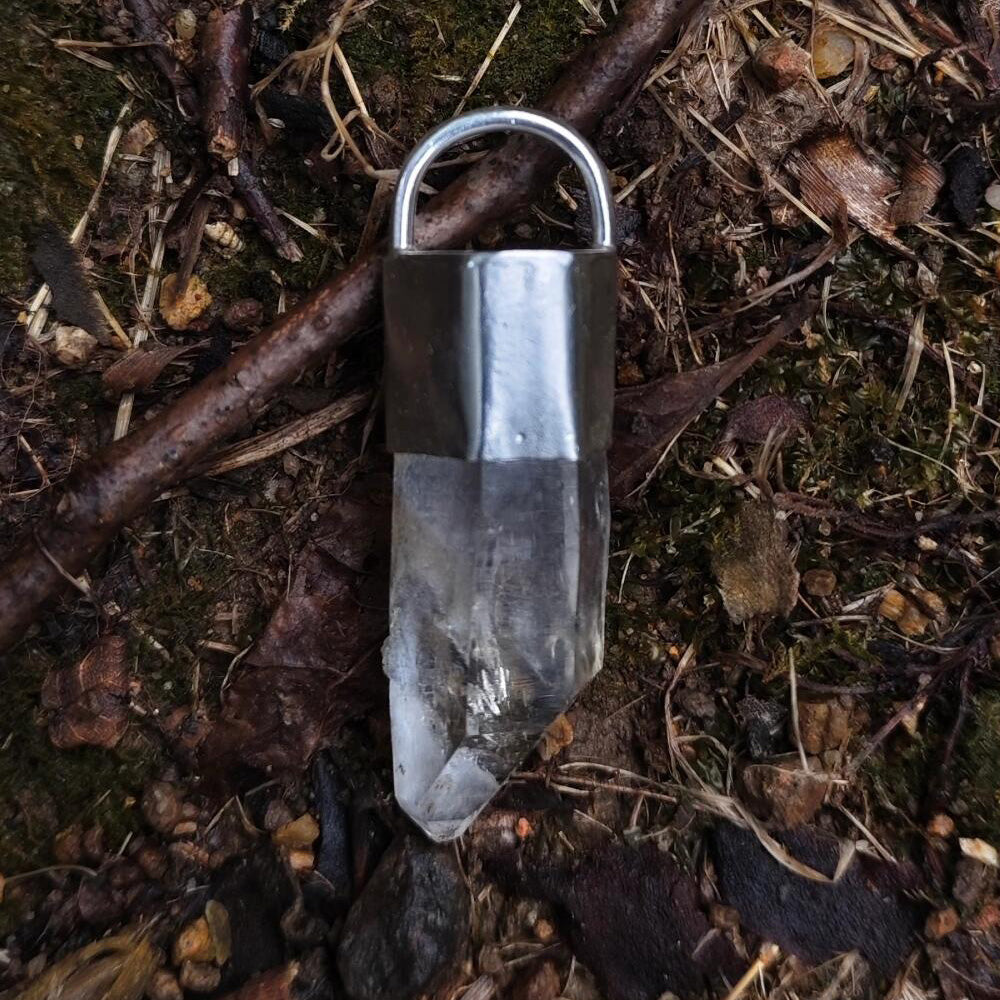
(317, 662)
(922, 182)
(89, 700)
(753, 421)
(754, 566)
(649, 417)
(838, 178)
(140, 368)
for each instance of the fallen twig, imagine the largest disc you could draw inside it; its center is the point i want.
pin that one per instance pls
(119, 482)
(249, 186)
(224, 79)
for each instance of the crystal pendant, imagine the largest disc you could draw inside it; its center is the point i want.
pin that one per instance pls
(499, 377)
(497, 620)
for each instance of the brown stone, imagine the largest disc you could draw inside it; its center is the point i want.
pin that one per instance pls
(67, 846)
(823, 725)
(194, 943)
(819, 582)
(180, 311)
(161, 805)
(301, 832)
(200, 977)
(788, 795)
(164, 986)
(779, 63)
(941, 923)
(941, 825)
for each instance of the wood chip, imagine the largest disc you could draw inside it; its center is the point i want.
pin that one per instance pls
(139, 369)
(839, 179)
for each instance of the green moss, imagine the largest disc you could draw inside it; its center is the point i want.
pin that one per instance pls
(43, 789)
(46, 98)
(979, 767)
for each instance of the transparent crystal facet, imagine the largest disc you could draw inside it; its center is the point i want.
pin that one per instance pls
(497, 620)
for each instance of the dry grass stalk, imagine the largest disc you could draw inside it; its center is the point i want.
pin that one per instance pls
(290, 436)
(490, 56)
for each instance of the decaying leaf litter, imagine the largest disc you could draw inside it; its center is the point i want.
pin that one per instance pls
(802, 620)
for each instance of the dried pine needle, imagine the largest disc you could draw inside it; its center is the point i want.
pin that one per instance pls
(490, 56)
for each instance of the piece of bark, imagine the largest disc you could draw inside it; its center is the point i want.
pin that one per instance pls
(119, 482)
(863, 910)
(140, 368)
(149, 28)
(59, 263)
(838, 177)
(224, 79)
(649, 417)
(981, 31)
(633, 918)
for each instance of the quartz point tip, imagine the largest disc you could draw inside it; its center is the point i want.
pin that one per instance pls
(497, 620)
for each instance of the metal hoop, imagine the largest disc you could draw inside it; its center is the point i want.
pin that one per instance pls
(476, 123)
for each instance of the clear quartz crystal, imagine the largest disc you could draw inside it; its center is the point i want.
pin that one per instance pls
(497, 620)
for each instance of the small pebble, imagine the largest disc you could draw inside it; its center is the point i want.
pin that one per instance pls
(243, 315)
(185, 829)
(819, 582)
(993, 197)
(94, 849)
(180, 311)
(833, 51)
(544, 930)
(73, 346)
(186, 24)
(941, 923)
(301, 832)
(779, 63)
(979, 850)
(152, 860)
(941, 825)
(200, 977)
(194, 943)
(164, 986)
(161, 805)
(893, 605)
(277, 815)
(67, 846)
(301, 860)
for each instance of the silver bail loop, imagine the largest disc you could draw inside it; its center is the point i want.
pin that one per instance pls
(483, 122)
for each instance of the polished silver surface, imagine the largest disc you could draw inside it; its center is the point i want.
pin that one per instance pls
(477, 123)
(500, 355)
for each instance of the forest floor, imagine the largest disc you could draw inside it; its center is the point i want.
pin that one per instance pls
(792, 754)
